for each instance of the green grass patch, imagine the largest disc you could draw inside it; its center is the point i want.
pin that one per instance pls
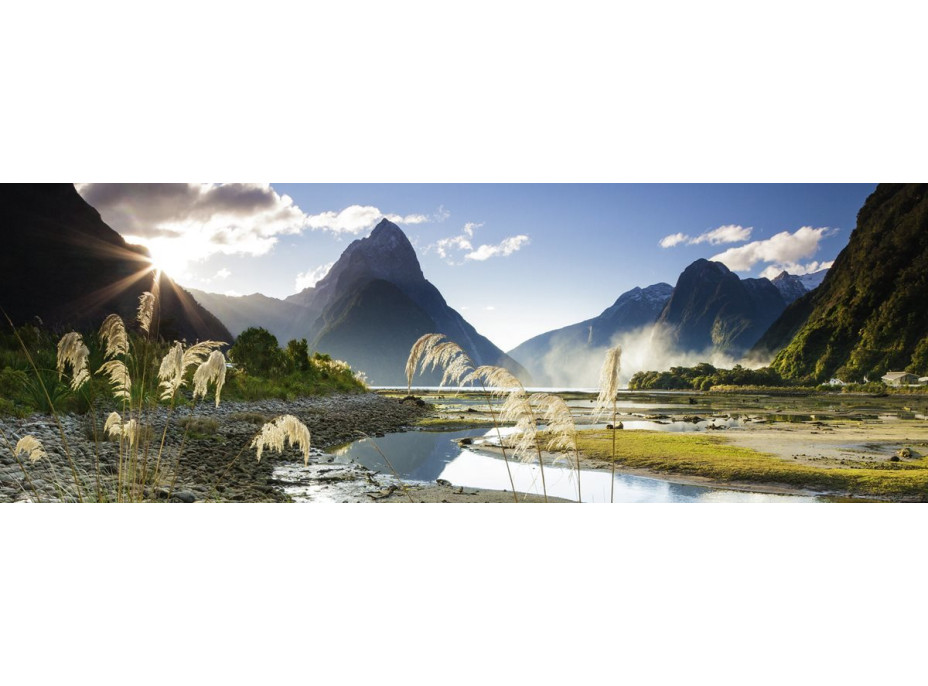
(714, 458)
(451, 423)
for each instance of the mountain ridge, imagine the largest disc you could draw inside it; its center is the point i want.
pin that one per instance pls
(62, 263)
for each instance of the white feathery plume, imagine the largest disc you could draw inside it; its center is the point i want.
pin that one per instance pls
(116, 428)
(517, 408)
(32, 446)
(146, 310)
(211, 371)
(608, 380)
(420, 349)
(197, 354)
(72, 352)
(498, 380)
(286, 429)
(559, 422)
(113, 335)
(118, 375)
(459, 367)
(171, 371)
(113, 420)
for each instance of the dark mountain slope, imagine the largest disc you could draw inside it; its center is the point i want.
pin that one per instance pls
(62, 263)
(711, 308)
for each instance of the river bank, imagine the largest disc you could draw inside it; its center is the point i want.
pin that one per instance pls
(215, 464)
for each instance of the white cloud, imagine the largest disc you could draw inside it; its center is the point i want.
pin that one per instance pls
(782, 248)
(233, 294)
(673, 239)
(444, 245)
(312, 277)
(193, 221)
(441, 214)
(730, 233)
(460, 243)
(774, 270)
(503, 249)
(489, 308)
(222, 274)
(183, 222)
(358, 218)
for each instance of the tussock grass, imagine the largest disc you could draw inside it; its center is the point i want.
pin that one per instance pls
(712, 457)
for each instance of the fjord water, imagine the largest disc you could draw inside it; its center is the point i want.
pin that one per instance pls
(425, 456)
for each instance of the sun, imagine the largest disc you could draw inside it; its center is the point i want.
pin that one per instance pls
(169, 258)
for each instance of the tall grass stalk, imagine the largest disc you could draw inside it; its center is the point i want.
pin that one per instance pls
(427, 352)
(124, 362)
(608, 394)
(64, 438)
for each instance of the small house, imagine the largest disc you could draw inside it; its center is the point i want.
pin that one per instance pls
(900, 379)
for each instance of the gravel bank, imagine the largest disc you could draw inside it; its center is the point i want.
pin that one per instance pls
(207, 468)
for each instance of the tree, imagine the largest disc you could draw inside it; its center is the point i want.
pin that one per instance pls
(298, 355)
(256, 350)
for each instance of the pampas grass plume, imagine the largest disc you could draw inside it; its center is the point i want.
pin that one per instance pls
(146, 310)
(286, 429)
(32, 446)
(211, 371)
(72, 352)
(118, 375)
(113, 335)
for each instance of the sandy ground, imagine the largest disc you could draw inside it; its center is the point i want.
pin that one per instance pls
(834, 443)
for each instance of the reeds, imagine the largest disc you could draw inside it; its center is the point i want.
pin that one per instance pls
(146, 310)
(608, 392)
(74, 354)
(124, 369)
(32, 447)
(212, 371)
(432, 351)
(277, 434)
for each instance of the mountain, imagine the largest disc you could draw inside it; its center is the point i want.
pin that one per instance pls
(546, 356)
(712, 309)
(60, 262)
(375, 302)
(813, 280)
(286, 320)
(790, 286)
(868, 316)
(368, 310)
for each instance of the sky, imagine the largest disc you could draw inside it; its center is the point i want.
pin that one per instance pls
(515, 260)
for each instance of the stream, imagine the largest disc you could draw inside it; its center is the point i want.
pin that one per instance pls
(425, 456)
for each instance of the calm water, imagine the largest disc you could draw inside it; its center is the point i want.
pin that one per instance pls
(427, 456)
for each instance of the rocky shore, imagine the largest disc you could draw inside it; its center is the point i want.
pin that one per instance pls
(215, 463)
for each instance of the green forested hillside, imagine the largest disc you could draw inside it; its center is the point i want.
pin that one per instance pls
(870, 315)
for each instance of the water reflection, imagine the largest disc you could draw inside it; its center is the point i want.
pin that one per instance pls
(427, 456)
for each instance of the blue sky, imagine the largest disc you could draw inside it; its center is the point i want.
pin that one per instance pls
(515, 260)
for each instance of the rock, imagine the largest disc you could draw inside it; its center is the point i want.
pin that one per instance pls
(904, 453)
(466, 441)
(183, 497)
(443, 482)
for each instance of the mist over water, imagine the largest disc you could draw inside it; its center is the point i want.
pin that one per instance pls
(648, 348)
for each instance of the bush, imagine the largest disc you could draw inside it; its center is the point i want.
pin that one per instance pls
(257, 352)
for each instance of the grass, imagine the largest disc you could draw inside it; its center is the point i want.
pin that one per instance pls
(712, 457)
(452, 423)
